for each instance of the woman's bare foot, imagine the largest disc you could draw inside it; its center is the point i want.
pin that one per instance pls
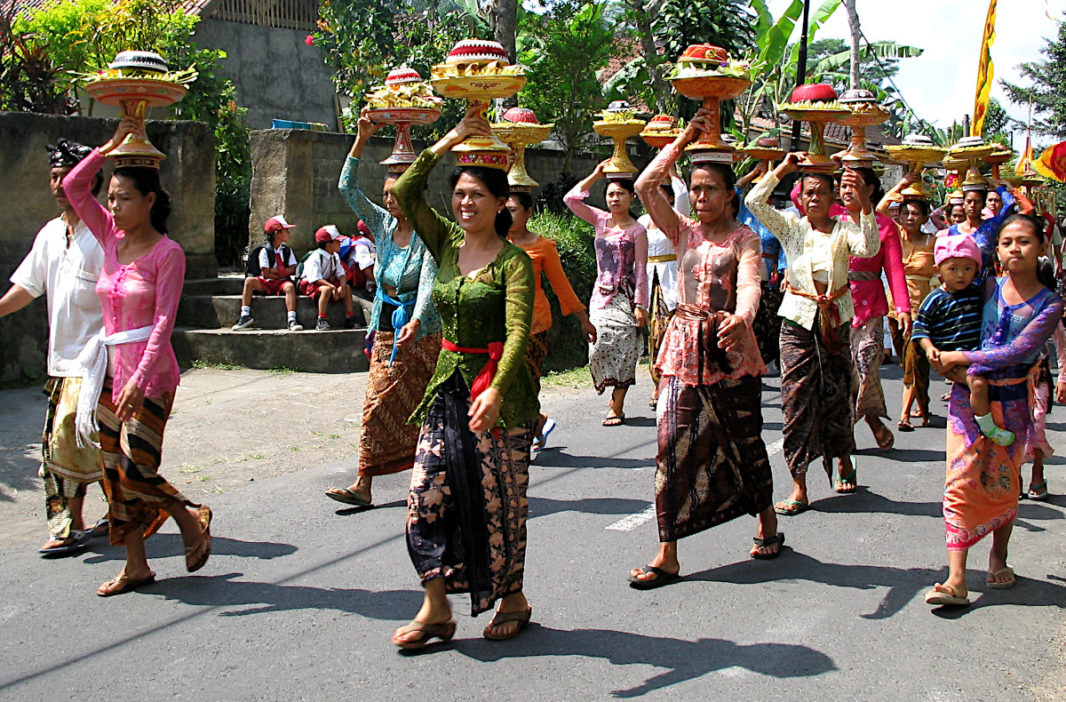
(513, 603)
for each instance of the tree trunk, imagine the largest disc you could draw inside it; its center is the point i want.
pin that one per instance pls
(856, 32)
(643, 13)
(503, 16)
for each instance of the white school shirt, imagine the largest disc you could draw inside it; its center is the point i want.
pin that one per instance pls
(322, 266)
(265, 262)
(68, 275)
(364, 253)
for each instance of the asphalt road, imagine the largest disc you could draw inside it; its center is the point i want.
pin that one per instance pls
(299, 599)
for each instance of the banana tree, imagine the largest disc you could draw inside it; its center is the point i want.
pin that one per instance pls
(773, 64)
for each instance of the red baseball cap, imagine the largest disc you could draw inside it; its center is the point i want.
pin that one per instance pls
(275, 224)
(363, 228)
(327, 234)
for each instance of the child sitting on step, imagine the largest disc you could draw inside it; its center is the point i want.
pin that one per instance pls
(269, 271)
(323, 277)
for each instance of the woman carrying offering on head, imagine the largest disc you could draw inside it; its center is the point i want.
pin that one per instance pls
(466, 511)
(544, 255)
(816, 368)
(132, 367)
(983, 475)
(619, 305)
(405, 326)
(712, 464)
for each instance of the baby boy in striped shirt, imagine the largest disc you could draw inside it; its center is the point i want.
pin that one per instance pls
(950, 320)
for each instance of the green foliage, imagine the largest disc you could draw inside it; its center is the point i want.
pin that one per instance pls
(27, 72)
(574, 239)
(365, 39)
(564, 48)
(82, 36)
(1046, 79)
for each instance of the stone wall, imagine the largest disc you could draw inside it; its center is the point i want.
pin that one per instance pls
(188, 173)
(276, 74)
(295, 173)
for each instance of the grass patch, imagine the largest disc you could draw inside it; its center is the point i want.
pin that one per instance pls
(282, 370)
(188, 468)
(200, 365)
(573, 378)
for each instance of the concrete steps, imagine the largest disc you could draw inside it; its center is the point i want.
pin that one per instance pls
(210, 307)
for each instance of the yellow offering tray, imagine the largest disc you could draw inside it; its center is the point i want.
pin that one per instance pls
(816, 117)
(711, 90)
(519, 135)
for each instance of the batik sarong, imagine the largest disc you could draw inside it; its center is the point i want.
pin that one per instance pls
(867, 350)
(613, 358)
(66, 468)
(387, 442)
(132, 449)
(467, 508)
(660, 316)
(536, 352)
(916, 373)
(816, 393)
(767, 325)
(712, 464)
(983, 478)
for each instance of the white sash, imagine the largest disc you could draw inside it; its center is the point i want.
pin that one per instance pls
(93, 359)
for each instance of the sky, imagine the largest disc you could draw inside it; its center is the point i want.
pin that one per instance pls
(940, 84)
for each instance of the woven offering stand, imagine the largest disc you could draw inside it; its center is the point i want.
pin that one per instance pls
(973, 150)
(1026, 181)
(518, 130)
(134, 82)
(917, 151)
(705, 72)
(1001, 155)
(765, 148)
(817, 105)
(478, 71)
(865, 113)
(660, 131)
(404, 101)
(619, 122)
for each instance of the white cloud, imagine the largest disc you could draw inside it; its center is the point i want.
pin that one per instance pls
(940, 84)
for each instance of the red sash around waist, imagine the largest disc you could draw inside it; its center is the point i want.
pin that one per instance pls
(488, 372)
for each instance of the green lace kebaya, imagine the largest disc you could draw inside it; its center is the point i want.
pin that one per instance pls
(495, 305)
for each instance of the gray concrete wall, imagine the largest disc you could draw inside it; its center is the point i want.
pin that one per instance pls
(295, 172)
(188, 173)
(276, 74)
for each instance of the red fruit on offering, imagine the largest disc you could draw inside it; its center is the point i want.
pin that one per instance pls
(814, 92)
(520, 115)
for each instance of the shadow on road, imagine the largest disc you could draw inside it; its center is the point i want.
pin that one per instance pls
(225, 591)
(558, 458)
(543, 506)
(169, 545)
(681, 660)
(903, 583)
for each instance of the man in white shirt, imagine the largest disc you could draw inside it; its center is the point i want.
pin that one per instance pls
(323, 277)
(64, 263)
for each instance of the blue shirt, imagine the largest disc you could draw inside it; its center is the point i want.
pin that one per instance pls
(950, 320)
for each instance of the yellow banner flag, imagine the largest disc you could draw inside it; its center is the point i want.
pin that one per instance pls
(985, 71)
(1025, 163)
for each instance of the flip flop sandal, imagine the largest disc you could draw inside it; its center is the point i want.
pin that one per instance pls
(1006, 584)
(71, 545)
(501, 618)
(884, 438)
(443, 631)
(779, 540)
(545, 431)
(101, 528)
(661, 578)
(615, 421)
(348, 497)
(790, 508)
(122, 585)
(905, 426)
(943, 595)
(1038, 492)
(851, 480)
(196, 556)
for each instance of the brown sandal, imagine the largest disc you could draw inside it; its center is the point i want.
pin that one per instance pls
(443, 631)
(501, 618)
(196, 556)
(122, 584)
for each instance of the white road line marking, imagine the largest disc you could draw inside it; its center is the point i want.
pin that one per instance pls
(648, 513)
(634, 520)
